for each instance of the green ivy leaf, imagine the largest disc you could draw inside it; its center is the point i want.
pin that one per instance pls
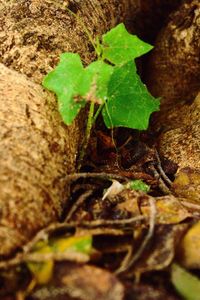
(138, 185)
(185, 283)
(64, 82)
(74, 85)
(119, 46)
(94, 83)
(129, 102)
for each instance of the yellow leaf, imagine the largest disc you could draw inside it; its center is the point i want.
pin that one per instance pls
(81, 244)
(42, 271)
(187, 184)
(190, 247)
(169, 210)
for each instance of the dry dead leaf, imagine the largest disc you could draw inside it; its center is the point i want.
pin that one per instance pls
(187, 184)
(162, 250)
(169, 209)
(148, 292)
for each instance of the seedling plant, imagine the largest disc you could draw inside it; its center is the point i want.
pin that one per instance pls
(110, 83)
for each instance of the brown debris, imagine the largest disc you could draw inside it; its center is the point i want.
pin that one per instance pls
(80, 281)
(187, 185)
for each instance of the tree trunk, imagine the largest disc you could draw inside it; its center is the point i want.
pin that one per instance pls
(35, 32)
(174, 66)
(37, 149)
(174, 75)
(181, 142)
(150, 16)
(35, 155)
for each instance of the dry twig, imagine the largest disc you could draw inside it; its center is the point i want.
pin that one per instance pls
(137, 255)
(78, 203)
(104, 176)
(26, 255)
(160, 169)
(41, 257)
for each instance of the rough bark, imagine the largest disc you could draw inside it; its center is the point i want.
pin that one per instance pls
(174, 66)
(35, 32)
(35, 155)
(181, 142)
(174, 75)
(150, 16)
(36, 149)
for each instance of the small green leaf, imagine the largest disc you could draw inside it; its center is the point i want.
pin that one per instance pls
(185, 283)
(138, 185)
(129, 102)
(64, 82)
(94, 83)
(119, 46)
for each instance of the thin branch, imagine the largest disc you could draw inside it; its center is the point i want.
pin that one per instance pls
(41, 257)
(78, 203)
(44, 233)
(152, 222)
(190, 205)
(126, 261)
(103, 176)
(121, 222)
(160, 169)
(162, 186)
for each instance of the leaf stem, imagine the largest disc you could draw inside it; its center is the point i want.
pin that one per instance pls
(97, 113)
(87, 134)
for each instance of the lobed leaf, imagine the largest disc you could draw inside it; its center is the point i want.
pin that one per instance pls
(64, 82)
(94, 84)
(119, 46)
(129, 102)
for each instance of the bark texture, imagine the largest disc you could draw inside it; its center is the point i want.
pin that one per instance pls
(150, 16)
(36, 149)
(174, 75)
(35, 32)
(181, 142)
(35, 155)
(174, 67)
